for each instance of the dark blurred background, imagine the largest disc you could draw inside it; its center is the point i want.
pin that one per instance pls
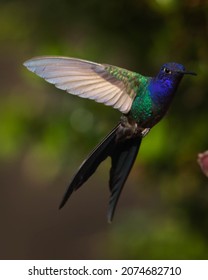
(45, 133)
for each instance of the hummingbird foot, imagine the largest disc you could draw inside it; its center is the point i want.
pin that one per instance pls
(130, 129)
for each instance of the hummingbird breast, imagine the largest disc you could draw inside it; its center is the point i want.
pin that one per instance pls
(147, 111)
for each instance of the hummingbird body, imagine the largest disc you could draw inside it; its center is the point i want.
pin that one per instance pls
(142, 100)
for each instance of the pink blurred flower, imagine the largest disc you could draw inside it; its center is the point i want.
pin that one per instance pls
(203, 162)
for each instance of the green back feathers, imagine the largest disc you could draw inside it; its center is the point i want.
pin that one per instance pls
(132, 80)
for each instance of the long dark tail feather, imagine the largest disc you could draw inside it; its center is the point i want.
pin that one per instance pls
(123, 158)
(89, 166)
(123, 154)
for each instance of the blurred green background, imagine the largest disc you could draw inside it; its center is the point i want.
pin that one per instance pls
(45, 133)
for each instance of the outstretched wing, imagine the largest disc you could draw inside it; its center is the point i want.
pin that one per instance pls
(103, 83)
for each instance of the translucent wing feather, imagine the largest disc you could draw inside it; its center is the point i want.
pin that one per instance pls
(103, 83)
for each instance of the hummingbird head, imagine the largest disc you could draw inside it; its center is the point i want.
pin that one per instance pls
(164, 85)
(172, 72)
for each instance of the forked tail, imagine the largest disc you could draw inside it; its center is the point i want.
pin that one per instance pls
(123, 154)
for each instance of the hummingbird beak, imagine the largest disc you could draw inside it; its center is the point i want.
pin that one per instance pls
(187, 73)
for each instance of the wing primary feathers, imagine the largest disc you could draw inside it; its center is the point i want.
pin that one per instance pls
(86, 79)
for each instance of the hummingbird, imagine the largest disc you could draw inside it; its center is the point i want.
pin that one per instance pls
(143, 102)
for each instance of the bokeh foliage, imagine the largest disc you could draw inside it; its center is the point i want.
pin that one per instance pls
(46, 133)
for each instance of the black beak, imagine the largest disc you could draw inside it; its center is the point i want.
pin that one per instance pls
(187, 73)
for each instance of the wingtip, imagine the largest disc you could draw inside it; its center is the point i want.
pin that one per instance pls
(28, 65)
(32, 62)
(25, 63)
(28, 61)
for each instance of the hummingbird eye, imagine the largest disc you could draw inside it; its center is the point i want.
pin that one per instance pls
(167, 71)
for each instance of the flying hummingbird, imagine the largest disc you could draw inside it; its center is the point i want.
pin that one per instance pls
(143, 101)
